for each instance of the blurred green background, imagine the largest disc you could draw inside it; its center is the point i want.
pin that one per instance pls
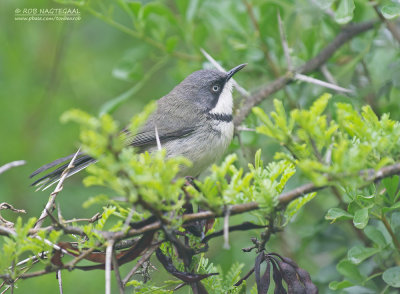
(48, 67)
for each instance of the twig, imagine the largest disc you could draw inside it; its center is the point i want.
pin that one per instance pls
(264, 45)
(17, 278)
(327, 74)
(4, 206)
(72, 263)
(396, 241)
(239, 88)
(128, 219)
(311, 80)
(93, 219)
(117, 274)
(285, 45)
(370, 175)
(59, 281)
(143, 259)
(284, 198)
(344, 36)
(54, 246)
(137, 35)
(109, 253)
(245, 129)
(6, 231)
(390, 26)
(12, 164)
(53, 195)
(242, 227)
(226, 227)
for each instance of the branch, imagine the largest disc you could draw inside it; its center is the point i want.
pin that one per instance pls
(12, 164)
(311, 80)
(390, 25)
(344, 36)
(142, 260)
(369, 175)
(109, 253)
(53, 195)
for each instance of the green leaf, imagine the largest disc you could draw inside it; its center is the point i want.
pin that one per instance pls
(350, 271)
(375, 236)
(336, 214)
(171, 43)
(361, 218)
(395, 219)
(391, 208)
(135, 7)
(296, 204)
(392, 276)
(391, 185)
(358, 254)
(335, 285)
(344, 12)
(391, 10)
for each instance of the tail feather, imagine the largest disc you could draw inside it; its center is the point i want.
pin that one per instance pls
(53, 164)
(54, 176)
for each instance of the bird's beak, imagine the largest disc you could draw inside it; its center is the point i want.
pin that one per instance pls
(234, 70)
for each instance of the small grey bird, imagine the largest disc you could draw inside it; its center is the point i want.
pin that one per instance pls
(194, 120)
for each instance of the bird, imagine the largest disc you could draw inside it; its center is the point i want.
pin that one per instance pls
(193, 120)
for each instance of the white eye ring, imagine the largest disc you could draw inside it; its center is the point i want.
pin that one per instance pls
(215, 88)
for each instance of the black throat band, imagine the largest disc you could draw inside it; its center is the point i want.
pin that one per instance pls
(220, 116)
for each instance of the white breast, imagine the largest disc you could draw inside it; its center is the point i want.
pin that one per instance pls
(207, 144)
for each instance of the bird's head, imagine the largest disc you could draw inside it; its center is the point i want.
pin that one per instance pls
(210, 90)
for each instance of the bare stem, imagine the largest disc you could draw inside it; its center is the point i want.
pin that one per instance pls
(390, 231)
(50, 204)
(12, 164)
(344, 36)
(109, 253)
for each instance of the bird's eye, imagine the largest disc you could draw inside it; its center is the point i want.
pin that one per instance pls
(215, 88)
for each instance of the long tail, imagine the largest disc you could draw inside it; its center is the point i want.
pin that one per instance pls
(50, 178)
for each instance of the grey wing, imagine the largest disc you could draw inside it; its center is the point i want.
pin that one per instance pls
(149, 138)
(172, 122)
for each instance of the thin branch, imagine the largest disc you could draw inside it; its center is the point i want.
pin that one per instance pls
(245, 129)
(142, 260)
(264, 45)
(344, 36)
(242, 227)
(93, 219)
(109, 253)
(396, 241)
(285, 45)
(311, 80)
(143, 37)
(54, 246)
(284, 199)
(226, 228)
(59, 281)
(390, 25)
(327, 74)
(10, 165)
(72, 263)
(7, 206)
(117, 274)
(50, 204)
